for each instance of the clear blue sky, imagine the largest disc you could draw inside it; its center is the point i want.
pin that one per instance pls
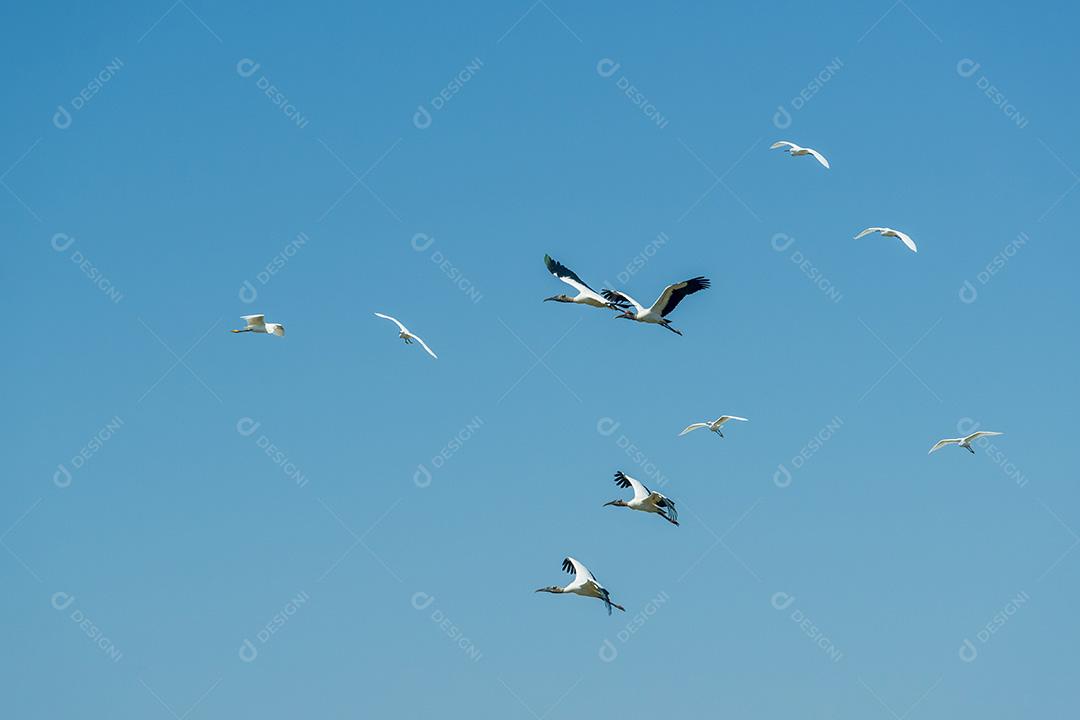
(430, 156)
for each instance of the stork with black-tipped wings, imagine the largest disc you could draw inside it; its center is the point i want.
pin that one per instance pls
(644, 499)
(584, 583)
(668, 301)
(585, 294)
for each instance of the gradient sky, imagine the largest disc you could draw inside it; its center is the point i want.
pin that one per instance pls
(159, 559)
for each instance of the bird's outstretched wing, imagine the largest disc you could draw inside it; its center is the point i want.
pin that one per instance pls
(565, 274)
(254, 320)
(981, 433)
(662, 501)
(394, 320)
(942, 443)
(424, 344)
(625, 481)
(724, 418)
(904, 238)
(578, 570)
(783, 143)
(818, 156)
(673, 294)
(621, 298)
(869, 230)
(692, 428)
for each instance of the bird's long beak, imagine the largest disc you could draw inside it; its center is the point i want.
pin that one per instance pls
(608, 503)
(550, 298)
(543, 589)
(236, 331)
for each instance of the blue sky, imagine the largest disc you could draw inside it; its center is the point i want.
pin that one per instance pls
(201, 525)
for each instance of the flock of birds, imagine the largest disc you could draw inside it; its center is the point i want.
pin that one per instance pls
(644, 500)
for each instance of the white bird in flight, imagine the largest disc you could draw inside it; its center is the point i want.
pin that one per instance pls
(714, 425)
(964, 442)
(257, 324)
(586, 295)
(889, 232)
(668, 301)
(407, 336)
(583, 584)
(645, 500)
(795, 150)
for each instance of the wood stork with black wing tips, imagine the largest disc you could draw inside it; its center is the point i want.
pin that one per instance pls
(796, 150)
(258, 324)
(584, 583)
(668, 301)
(644, 499)
(585, 294)
(407, 336)
(713, 426)
(964, 442)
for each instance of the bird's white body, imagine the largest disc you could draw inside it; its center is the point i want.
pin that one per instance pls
(797, 150)
(645, 500)
(668, 301)
(258, 324)
(889, 232)
(407, 336)
(964, 442)
(713, 426)
(584, 584)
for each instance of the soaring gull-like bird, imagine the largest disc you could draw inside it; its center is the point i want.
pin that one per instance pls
(645, 500)
(407, 336)
(714, 425)
(583, 584)
(668, 301)
(795, 150)
(585, 294)
(889, 232)
(257, 324)
(964, 442)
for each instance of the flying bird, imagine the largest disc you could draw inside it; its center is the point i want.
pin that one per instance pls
(585, 294)
(794, 150)
(645, 500)
(964, 442)
(407, 336)
(668, 301)
(714, 425)
(583, 584)
(257, 324)
(889, 232)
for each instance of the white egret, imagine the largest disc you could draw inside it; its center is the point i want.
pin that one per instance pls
(889, 232)
(645, 500)
(668, 301)
(257, 324)
(407, 336)
(714, 426)
(795, 150)
(583, 584)
(964, 442)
